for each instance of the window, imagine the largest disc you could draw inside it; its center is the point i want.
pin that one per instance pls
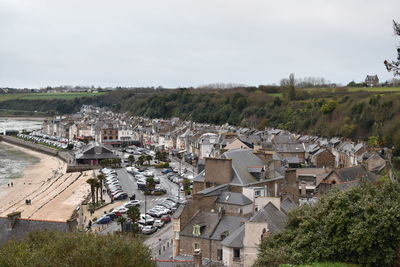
(240, 211)
(257, 193)
(196, 246)
(219, 254)
(196, 230)
(255, 209)
(236, 253)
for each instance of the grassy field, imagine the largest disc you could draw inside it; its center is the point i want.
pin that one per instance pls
(355, 89)
(46, 96)
(276, 94)
(374, 89)
(327, 264)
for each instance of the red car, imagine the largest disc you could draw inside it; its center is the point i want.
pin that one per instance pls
(165, 218)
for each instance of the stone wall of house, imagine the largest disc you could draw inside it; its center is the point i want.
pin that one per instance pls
(325, 159)
(187, 244)
(300, 155)
(290, 185)
(198, 186)
(264, 156)
(209, 248)
(251, 241)
(235, 210)
(195, 205)
(218, 171)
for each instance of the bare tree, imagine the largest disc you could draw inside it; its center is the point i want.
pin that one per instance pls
(393, 65)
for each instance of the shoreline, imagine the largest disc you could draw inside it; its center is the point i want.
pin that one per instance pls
(54, 193)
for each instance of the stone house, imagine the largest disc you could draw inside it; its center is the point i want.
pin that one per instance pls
(345, 178)
(372, 80)
(240, 248)
(323, 158)
(239, 168)
(238, 143)
(109, 133)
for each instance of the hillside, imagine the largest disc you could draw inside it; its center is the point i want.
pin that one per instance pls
(353, 112)
(356, 113)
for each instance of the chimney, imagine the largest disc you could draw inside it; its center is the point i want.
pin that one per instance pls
(197, 258)
(12, 218)
(303, 189)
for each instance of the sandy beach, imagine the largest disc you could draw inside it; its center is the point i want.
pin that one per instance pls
(54, 194)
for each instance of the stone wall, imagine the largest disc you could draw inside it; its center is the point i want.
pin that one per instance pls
(81, 168)
(63, 155)
(29, 145)
(218, 171)
(195, 205)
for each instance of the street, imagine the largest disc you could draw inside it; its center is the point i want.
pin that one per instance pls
(161, 241)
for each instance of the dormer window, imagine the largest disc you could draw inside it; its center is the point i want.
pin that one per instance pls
(196, 230)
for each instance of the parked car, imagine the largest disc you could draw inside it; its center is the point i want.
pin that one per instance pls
(158, 223)
(156, 179)
(133, 203)
(121, 196)
(112, 215)
(165, 218)
(165, 171)
(146, 219)
(121, 209)
(148, 173)
(159, 189)
(148, 230)
(103, 220)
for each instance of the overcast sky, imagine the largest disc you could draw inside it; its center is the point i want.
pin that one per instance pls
(192, 42)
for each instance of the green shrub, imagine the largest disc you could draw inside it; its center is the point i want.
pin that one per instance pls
(75, 249)
(360, 225)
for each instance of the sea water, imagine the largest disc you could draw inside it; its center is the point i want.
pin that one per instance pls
(19, 124)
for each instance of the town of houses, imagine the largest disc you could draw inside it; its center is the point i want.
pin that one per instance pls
(247, 180)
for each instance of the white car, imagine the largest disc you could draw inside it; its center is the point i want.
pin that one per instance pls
(148, 173)
(158, 223)
(121, 209)
(133, 203)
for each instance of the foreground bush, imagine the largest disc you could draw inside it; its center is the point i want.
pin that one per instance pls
(75, 249)
(360, 225)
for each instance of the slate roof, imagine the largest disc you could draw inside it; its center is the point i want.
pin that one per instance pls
(289, 148)
(275, 218)
(287, 204)
(23, 227)
(284, 139)
(227, 224)
(178, 211)
(292, 160)
(200, 177)
(234, 240)
(234, 198)
(241, 160)
(96, 152)
(355, 173)
(214, 190)
(209, 219)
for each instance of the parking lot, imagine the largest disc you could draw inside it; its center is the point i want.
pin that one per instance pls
(123, 186)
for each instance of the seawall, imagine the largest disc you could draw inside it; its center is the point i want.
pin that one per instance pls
(64, 156)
